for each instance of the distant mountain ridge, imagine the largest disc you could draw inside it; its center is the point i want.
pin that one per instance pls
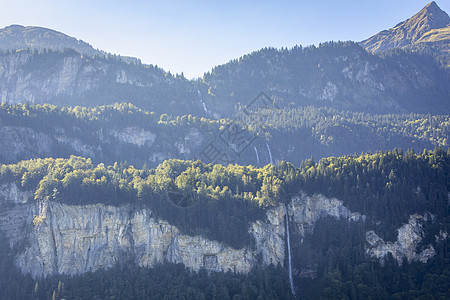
(428, 29)
(409, 31)
(341, 75)
(18, 37)
(338, 75)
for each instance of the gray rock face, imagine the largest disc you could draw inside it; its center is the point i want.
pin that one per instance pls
(21, 143)
(10, 193)
(135, 135)
(17, 143)
(15, 213)
(408, 238)
(306, 210)
(63, 239)
(66, 76)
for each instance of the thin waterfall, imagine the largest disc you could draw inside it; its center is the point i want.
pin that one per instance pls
(201, 100)
(257, 156)
(270, 154)
(288, 238)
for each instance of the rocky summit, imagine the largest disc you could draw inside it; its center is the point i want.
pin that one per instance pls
(409, 31)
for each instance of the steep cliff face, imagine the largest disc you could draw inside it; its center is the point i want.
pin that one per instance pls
(54, 238)
(406, 246)
(79, 239)
(24, 79)
(62, 239)
(306, 210)
(71, 78)
(20, 143)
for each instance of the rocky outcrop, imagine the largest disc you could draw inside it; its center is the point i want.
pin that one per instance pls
(79, 239)
(77, 145)
(55, 238)
(21, 143)
(406, 246)
(270, 236)
(18, 143)
(305, 211)
(134, 135)
(11, 194)
(64, 239)
(66, 75)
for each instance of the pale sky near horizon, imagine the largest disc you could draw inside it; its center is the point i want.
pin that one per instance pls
(194, 36)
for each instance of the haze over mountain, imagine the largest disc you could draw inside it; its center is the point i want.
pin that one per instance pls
(182, 193)
(17, 37)
(339, 75)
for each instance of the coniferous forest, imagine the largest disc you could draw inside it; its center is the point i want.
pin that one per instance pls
(289, 172)
(386, 187)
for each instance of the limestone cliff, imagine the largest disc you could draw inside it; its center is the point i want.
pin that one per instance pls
(64, 239)
(406, 246)
(54, 238)
(20, 143)
(70, 78)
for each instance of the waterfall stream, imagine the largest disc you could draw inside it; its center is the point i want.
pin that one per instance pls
(201, 100)
(257, 156)
(270, 154)
(291, 280)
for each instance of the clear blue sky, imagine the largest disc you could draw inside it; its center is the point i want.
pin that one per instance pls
(194, 36)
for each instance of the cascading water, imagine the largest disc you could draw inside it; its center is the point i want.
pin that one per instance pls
(201, 100)
(270, 154)
(257, 156)
(291, 280)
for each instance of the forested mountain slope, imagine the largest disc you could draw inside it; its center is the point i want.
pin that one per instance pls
(123, 132)
(59, 69)
(69, 78)
(17, 37)
(278, 175)
(339, 75)
(347, 216)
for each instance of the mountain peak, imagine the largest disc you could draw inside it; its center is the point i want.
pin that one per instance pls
(409, 31)
(431, 15)
(15, 37)
(432, 5)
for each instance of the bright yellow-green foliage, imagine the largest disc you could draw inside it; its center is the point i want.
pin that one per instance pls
(76, 177)
(38, 220)
(228, 198)
(223, 195)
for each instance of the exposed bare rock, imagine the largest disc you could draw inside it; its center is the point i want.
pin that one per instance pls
(408, 238)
